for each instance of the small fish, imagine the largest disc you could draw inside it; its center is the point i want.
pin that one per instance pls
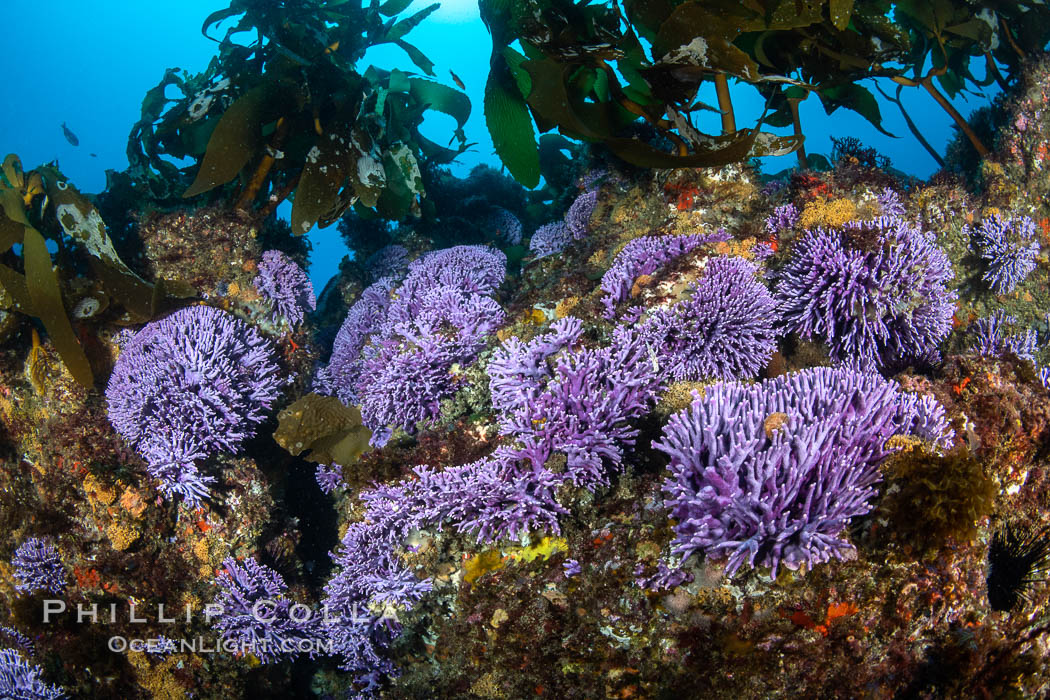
(70, 136)
(457, 81)
(93, 155)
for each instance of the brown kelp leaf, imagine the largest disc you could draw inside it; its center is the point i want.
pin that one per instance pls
(14, 208)
(367, 173)
(330, 431)
(11, 232)
(551, 100)
(15, 290)
(841, 11)
(12, 169)
(237, 137)
(323, 176)
(81, 221)
(46, 295)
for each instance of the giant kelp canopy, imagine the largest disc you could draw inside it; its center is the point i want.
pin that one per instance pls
(592, 70)
(288, 113)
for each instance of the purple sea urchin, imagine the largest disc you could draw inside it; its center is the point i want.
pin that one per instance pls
(781, 492)
(876, 292)
(189, 385)
(1018, 556)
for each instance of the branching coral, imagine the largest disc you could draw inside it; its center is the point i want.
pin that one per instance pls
(20, 680)
(38, 567)
(256, 614)
(781, 492)
(876, 292)
(286, 286)
(578, 218)
(991, 338)
(783, 218)
(189, 385)
(394, 356)
(388, 261)
(550, 239)
(1009, 248)
(644, 256)
(723, 330)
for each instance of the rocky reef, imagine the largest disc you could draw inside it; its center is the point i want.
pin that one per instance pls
(658, 433)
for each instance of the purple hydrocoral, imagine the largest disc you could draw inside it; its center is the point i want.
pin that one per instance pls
(475, 269)
(578, 404)
(578, 218)
(724, 329)
(21, 680)
(581, 407)
(993, 341)
(341, 376)
(771, 473)
(329, 477)
(286, 286)
(1009, 248)
(783, 218)
(505, 225)
(410, 372)
(875, 292)
(889, 202)
(550, 239)
(256, 614)
(395, 353)
(189, 385)
(38, 566)
(517, 368)
(388, 261)
(644, 256)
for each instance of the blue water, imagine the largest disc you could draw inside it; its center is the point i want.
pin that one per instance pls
(89, 65)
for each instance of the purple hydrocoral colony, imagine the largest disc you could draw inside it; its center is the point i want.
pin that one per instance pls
(992, 341)
(394, 355)
(550, 239)
(889, 202)
(771, 473)
(408, 376)
(723, 330)
(38, 566)
(20, 680)
(517, 368)
(783, 218)
(578, 218)
(1009, 248)
(341, 376)
(189, 385)
(255, 613)
(505, 225)
(329, 477)
(576, 404)
(286, 286)
(875, 292)
(644, 256)
(389, 261)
